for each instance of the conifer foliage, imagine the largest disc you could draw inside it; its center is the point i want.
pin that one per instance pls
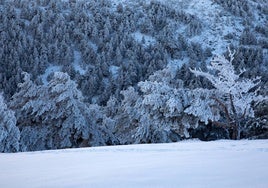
(9, 133)
(57, 116)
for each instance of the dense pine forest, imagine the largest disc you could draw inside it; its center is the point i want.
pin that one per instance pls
(80, 73)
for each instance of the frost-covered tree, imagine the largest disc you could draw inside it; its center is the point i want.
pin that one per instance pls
(55, 115)
(161, 110)
(233, 95)
(28, 92)
(157, 113)
(66, 108)
(9, 132)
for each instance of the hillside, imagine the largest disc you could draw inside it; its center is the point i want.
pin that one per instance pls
(102, 41)
(123, 66)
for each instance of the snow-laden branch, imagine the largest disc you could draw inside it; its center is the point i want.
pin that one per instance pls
(224, 77)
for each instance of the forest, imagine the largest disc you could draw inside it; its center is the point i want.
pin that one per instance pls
(81, 73)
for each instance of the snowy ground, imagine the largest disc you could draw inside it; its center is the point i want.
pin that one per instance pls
(51, 69)
(77, 63)
(184, 164)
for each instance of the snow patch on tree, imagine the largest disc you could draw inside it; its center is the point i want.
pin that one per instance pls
(77, 63)
(144, 39)
(50, 70)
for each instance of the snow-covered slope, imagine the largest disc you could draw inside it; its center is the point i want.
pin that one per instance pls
(216, 22)
(184, 164)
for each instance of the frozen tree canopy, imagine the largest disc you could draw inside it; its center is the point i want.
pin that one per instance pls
(234, 93)
(56, 114)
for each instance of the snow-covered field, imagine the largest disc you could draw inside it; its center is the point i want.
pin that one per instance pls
(184, 164)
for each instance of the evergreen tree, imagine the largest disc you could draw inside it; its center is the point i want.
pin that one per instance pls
(55, 113)
(9, 132)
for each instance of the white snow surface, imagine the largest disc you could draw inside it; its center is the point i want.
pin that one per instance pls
(51, 69)
(184, 164)
(114, 70)
(177, 63)
(77, 62)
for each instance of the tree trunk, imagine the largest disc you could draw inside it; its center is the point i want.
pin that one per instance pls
(236, 131)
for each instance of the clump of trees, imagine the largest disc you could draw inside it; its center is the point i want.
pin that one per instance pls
(124, 74)
(160, 109)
